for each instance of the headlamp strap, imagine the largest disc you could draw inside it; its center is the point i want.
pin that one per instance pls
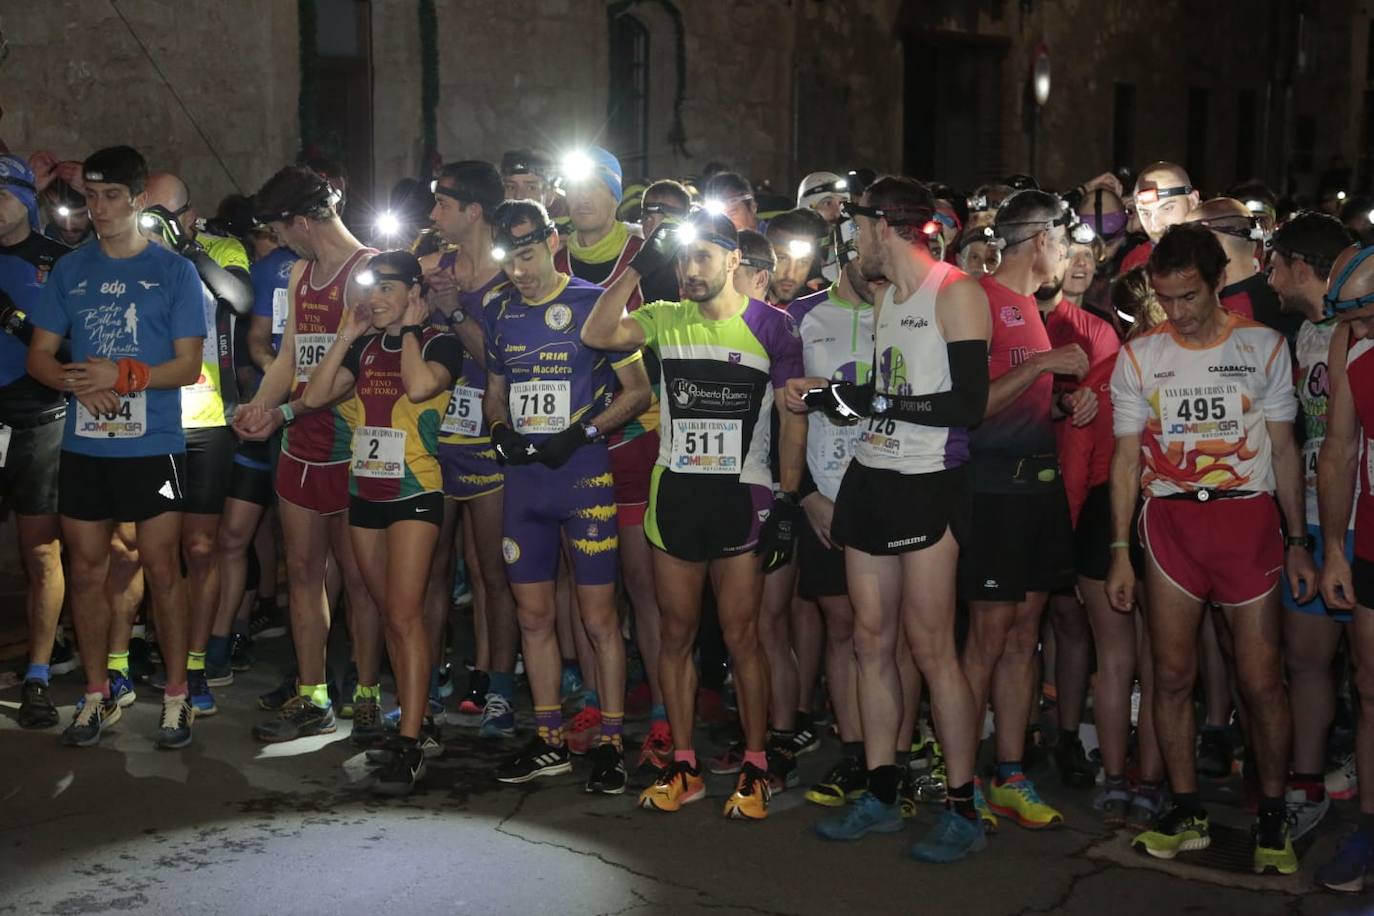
(18, 183)
(1332, 299)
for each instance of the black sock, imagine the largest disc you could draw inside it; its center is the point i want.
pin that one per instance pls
(882, 782)
(960, 801)
(1068, 735)
(854, 750)
(805, 722)
(1309, 778)
(903, 758)
(1272, 806)
(1190, 802)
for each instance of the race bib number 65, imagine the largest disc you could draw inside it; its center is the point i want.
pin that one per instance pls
(463, 416)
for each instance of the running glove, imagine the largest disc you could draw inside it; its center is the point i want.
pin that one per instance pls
(843, 402)
(778, 538)
(511, 447)
(556, 451)
(658, 251)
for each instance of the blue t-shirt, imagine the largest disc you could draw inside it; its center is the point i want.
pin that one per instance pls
(125, 307)
(270, 276)
(24, 269)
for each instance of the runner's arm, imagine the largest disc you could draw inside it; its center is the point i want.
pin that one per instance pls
(260, 341)
(1002, 391)
(1337, 463)
(1289, 488)
(608, 326)
(230, 286)
(183, 368)
(632, 399)
(331, 379)
(791, 444)
(495, 400)
(279, 378)
(43, 363)
(429, 369)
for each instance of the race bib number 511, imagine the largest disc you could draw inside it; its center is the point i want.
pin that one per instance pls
(706, 446)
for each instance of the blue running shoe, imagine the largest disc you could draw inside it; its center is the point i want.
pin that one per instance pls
(121, 689)
(498, 718)
(175, 730)
(952, 838)
(198, 683)
(1345, 872)
(865, 816)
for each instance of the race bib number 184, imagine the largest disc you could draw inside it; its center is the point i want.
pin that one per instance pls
(127, 421)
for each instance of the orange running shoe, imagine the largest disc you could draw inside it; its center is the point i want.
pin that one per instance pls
(678, 785)
(750, 800)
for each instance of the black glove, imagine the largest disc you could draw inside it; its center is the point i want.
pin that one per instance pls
(843, 402)
(160, 221)
(658, 251)
(558, 448)
(778, 538)
(512, 447)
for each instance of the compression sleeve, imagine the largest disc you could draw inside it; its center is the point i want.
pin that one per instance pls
(231, 288)
(967, 398)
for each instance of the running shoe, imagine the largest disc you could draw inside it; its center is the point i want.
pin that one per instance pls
(583, 732)
(346, 697)
(750, 799)
(1304, 813)
(202, 699)
(498, 718)
(1114, 802)
(1274, 845)
(277, 698)
(536, 759)
(368, 730)
(678, 785)
(175, 731)
(240, 652)
(608, 770)
(728, 762)
(639, 702)
(1214, 759)
(804, 740)
(92, 717)
(1343, 782)
(867, 815)
(657, 751)
(299, 718)
(931, 784)
(1075, 770)
(1017, 799)
(1178, 831)
(430, 744)
(219, 675)
(403, 770)
(36, 709)
(1346, 870)
(847, 781)
(443, 681)
(1146, 804)
(570, 686)
(267, 621)
(782, 769)
(470, 706)
(64, 658)
(953, 837)
(122, 688)
(980, 804)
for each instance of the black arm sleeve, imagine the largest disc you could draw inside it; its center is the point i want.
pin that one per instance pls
(231, 287)
(967, 398)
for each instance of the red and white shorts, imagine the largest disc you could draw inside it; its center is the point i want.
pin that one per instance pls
(321, 488)
(1227, 551)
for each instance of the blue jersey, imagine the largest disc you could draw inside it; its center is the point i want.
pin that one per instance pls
(555, 379)
(124, 307)
(270, 278)
(24, 269)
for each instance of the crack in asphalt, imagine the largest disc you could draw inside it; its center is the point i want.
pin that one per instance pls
(1061, 901)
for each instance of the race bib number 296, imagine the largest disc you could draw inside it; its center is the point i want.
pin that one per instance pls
(310, 351)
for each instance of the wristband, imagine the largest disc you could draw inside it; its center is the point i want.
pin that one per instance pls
(417, 330)
(1119, 545)
(134, 375)
(288, 416)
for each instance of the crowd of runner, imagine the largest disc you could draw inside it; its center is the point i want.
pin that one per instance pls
(701, 456)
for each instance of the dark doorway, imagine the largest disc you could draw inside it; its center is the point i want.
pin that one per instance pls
(953, 108)
(343, 108)
(627, 116)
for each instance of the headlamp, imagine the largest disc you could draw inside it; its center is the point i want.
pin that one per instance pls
(498, 253)
(800, 248)
(686, 234)
(668, 211)
(1250, 230)
(507, 244)
(578, 166)
(1149, 196)
(366, 278)
(147, 220)
(437, 189)
(387, 224)
(322, 196)
(1066, 218)
(759, 263)
(1082, 234)
(1340, 195)
(64, 211)
(714, 206)
(370, 278)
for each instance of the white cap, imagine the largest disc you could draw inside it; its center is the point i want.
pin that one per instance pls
(819, 185)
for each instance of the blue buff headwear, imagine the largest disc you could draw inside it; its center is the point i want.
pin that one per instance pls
(17, 178)
(1332, 303)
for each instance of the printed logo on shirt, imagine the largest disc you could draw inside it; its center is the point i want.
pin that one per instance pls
(148, 284)
(713, 397)
(1012, 317)
(558, 317)
(735, 357)
(113, 288)
(1230, 371)
(911, 321)
(78, 290)
(1318, 381)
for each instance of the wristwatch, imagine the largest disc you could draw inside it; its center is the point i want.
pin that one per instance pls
(591, 431)
(1304, 540)
(880, 404)
(458, 316)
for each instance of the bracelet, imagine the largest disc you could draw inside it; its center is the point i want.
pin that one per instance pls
(1119, 545)
(288, 416)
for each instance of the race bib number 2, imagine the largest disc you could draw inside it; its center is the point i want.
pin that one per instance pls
(463, 416)
(540, 407)
(310, 351)
(127, 421)
(379, 451)
(706, 446)
(1190, 415)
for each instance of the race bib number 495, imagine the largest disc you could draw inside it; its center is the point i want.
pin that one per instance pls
(706, 446)
(1190, 415)
(379, 451)
(127, 421)
(540, 407)
(310, 351)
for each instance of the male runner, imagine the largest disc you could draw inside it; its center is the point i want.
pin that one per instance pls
(136, 318)
(1246, 292)
(724, 356)
(904, 502)
(796, 236)
(1203, 409)
(31, 437)
(1164, 196)
(312, 470)
(823, 192)
(549, 403)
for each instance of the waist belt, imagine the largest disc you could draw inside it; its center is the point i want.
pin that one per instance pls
(43, 419)
(1205, 495)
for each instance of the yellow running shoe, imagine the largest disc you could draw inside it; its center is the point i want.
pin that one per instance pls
(679, 785)
(1017, 799)
(750, 799)
(1178, 831)
(1274, 846)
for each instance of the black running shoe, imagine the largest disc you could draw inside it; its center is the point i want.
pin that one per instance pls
(35, 708)
(299, 718)
(608, 770)
(279, 696)
(63, 659)
(846, 782)
(782, 768)
(240, 652)
(1075, 770)
(403, 770)
(538, 758)
(267, 621)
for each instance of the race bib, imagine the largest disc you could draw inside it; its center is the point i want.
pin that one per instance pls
(279, 302)
(127, 421)
(1190, 415)
(706, 446)
(5, 434)
(379, 451)
(880, 436)
(463, 417)
(540, 407)
(310, 351)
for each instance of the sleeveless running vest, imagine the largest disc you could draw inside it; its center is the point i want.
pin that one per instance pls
(1359, 367)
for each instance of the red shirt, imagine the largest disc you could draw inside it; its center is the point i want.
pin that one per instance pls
(1137, 256)
(1069, 324)
(1085, 452)
(1024, 427)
